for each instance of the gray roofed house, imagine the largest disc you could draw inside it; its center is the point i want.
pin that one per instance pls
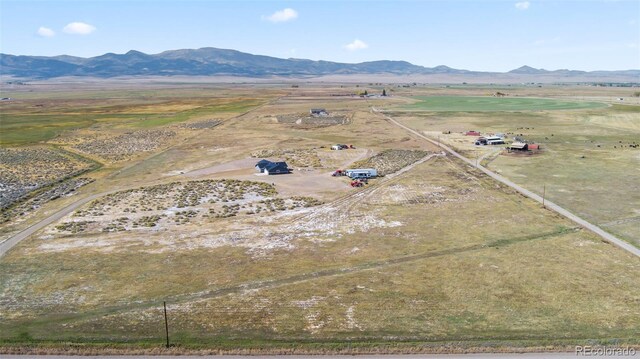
(260, 166)
(276, 168)
(272, 168)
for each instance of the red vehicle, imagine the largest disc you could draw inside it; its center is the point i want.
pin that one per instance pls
(357, 183)
(338, 173)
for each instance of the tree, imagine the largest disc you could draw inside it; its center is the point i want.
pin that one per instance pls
(384, 92)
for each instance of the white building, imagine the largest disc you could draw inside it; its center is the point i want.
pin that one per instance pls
(495, 140)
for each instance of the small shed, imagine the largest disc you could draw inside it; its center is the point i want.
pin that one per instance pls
(481, 141)
(534, 147)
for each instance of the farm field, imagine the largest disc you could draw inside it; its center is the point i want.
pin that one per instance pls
(473, 104)
(29, 119)
(432, 252)
(587, 163)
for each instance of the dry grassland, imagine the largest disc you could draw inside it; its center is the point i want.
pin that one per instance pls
(436, 254)
(389, 262)
(589, 161)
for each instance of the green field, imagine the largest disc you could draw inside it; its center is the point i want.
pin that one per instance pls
(473, 104)
(586, 165)
(28, 124)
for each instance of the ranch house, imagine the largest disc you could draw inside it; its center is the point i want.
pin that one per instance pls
(272, 168)
(318, 112)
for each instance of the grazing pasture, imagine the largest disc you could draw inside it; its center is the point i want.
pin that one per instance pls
(30, 119)
(489, 103)
(435, 253)
(589, 162)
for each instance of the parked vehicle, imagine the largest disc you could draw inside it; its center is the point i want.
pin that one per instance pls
(362, 173)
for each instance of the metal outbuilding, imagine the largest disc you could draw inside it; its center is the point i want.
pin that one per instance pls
(519, 146)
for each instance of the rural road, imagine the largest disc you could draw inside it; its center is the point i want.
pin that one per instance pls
(548, 204)
(570, 355)
(6, 245)
(12, 241)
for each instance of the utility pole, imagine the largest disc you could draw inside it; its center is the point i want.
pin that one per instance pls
(166, 322)
(544, 192)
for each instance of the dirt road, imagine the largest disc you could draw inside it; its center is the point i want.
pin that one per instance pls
(12, 241)
(15, 239)
(548, 204)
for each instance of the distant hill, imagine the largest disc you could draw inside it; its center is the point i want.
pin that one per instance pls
(528, 70)
(211, 61)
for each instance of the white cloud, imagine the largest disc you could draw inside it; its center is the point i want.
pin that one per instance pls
(282, 15)
(356, 45)
(45, 32)
(523, 5)
(79, 28)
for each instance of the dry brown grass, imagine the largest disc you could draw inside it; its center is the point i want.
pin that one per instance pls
(390, 161)
(374, 348)
(440, 258)
(586, 163)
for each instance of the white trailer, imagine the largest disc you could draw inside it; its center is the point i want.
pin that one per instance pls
(362, 173)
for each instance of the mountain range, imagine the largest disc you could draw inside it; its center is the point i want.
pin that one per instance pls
(211, 61)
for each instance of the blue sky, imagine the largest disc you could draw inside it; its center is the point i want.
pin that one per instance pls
(493, 35)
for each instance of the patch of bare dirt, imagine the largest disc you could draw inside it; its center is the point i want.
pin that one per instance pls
(178, 203)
